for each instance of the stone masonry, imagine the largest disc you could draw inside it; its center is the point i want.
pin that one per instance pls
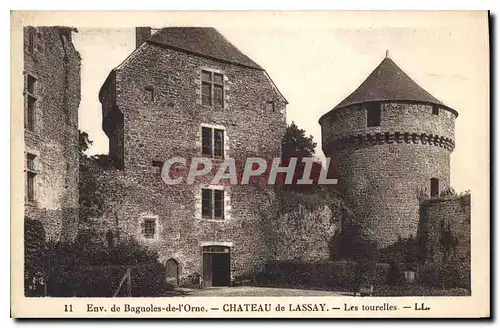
(441, 216)
(383, 166)
(152, 111)
(51, 98)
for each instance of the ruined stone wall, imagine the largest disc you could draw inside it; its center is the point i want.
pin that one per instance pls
(170, 125)
(440, 216)
(382, 168)
(55, 64)
(305, 234)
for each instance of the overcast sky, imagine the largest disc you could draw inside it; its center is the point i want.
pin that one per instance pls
(316, 64)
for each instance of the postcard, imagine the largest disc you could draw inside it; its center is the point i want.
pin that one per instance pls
(314, 164)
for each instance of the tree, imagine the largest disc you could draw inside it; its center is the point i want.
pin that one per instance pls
(295, 143)
(92, 190)
(34, 243)
(84, 142)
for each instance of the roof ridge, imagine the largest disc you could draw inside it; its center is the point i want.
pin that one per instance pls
(204, 41)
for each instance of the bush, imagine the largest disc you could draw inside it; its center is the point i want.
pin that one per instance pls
(448, 275)
(394, 275)
(147, 280)
(404, 250)
(90, 267)
(323, 275)
(34, 244)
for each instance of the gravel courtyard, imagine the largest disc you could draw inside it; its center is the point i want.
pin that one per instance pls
(257, 291)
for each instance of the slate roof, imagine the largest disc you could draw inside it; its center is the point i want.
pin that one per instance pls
(388, 82)
(204, 41)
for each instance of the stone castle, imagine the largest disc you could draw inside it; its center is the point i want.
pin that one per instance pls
(189, 92)
(389, 138)
(391, 142)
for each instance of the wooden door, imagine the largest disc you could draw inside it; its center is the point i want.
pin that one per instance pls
(172, 268)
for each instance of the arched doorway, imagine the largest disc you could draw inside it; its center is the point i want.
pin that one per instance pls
(172, 267)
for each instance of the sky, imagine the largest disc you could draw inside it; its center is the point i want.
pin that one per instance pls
(316, 61)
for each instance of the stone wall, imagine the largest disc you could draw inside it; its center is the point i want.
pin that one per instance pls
(305, 234)
(383, 168)
(169, 126)
(395, 117)
(55, 64)
(440, 216)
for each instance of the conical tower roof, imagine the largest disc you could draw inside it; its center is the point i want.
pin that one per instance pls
(388, 82)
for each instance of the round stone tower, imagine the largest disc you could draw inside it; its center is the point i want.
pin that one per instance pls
(390, 140)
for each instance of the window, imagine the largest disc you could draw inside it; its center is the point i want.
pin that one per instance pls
(270, 107)
(206, 203)
(435, 110)
(218, 143)
(30, 115)
(149, 93)
(212, 207)
(206, 142)
(157, 166)
(212, 89)
(149, 228)
(212, 143)
(31, 40)
(373, 114)
(30, 162)
(219, 204)
(30, 84)
(30, 177)
(30, 105)
(434, 187)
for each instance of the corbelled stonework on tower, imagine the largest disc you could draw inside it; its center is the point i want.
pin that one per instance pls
(390, 140)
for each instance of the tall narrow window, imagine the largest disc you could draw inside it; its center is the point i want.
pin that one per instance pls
(373, 114)
(218, 90)
(218, 143)
(434, 187)
(149, 93)
(212, 143)
(435, 110)
(206, 88)
(212, 89)
(219, 204)
(206, 142)
(206, 206)
(31, 40)
(30, 177)
(30, 103)
(212, 207)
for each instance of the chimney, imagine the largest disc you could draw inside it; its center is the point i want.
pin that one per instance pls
(141, 35)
